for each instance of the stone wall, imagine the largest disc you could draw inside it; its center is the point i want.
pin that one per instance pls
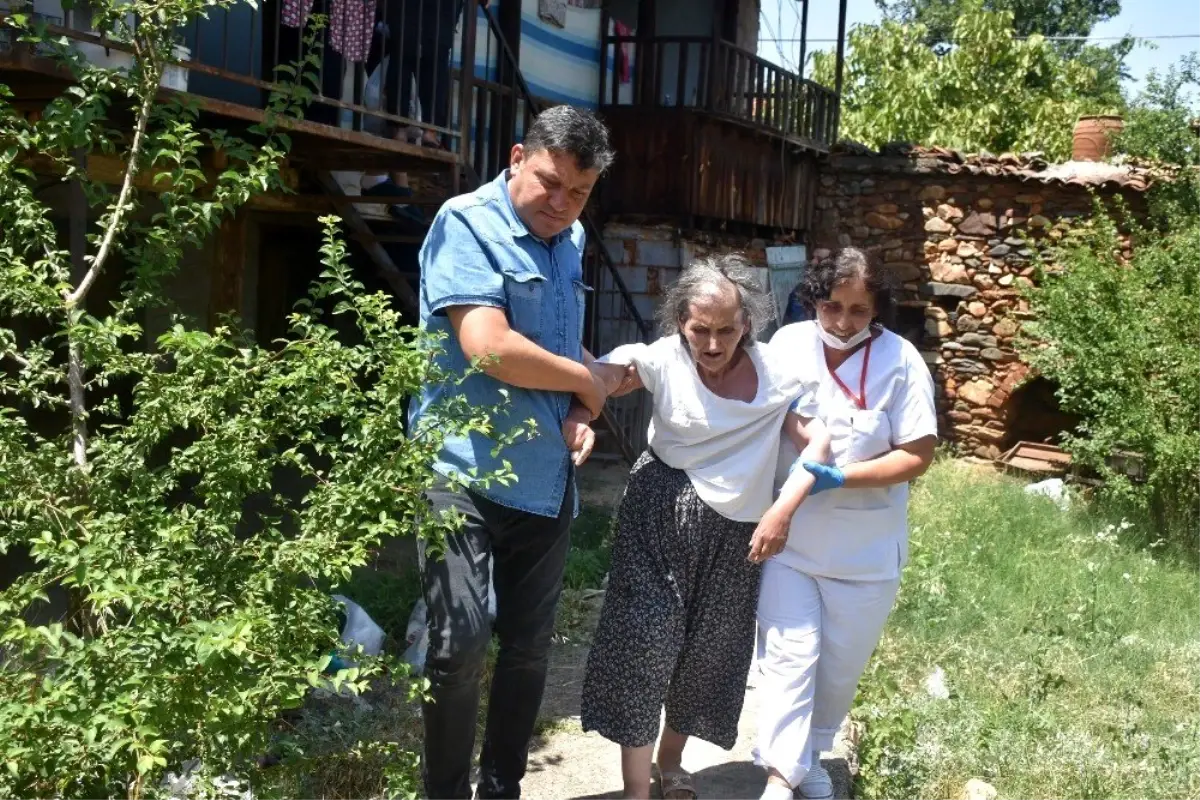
(964, 245)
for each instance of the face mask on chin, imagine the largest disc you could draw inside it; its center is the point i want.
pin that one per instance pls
(843, 344)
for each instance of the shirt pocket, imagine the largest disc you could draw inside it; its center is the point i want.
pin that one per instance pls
(870, 435)
(526, 298)
(581, 297)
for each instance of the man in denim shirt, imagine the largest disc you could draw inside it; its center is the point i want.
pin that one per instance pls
(501, 275)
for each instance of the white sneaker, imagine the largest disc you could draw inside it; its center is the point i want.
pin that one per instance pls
(817, 785)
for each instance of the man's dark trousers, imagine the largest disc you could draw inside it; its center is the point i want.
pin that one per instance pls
(529, 554)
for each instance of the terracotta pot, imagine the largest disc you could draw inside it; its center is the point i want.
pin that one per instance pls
(1093, 137)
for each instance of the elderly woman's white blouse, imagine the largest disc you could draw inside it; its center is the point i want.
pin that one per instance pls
(728, 448)
(859, 534)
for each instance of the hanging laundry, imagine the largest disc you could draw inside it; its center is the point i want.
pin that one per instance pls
(351, 24)
(553, 11)
(352, 37)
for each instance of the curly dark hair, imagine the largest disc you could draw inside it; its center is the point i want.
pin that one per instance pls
(850, 263)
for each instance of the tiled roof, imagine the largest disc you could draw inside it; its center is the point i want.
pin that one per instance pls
(1029, 167)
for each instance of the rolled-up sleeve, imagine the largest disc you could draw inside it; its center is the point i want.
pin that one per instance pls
(805, 404)
(455, 267)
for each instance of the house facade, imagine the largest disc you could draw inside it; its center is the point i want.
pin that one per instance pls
(716, 145)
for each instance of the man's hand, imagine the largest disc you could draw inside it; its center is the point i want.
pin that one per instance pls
(593, 399)
(630, 381)
(770, 536)
(578, 435)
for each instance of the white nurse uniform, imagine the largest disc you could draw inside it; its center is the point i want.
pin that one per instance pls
(825, 598)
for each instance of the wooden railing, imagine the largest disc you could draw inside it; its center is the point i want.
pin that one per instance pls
(241, 53)
(718, 78)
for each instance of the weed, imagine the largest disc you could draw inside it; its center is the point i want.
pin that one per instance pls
(1069, 650)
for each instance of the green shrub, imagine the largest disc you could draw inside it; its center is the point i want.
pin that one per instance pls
(1120, 339)
(147, 480)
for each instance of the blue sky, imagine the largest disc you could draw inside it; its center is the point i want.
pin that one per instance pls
(1148, 18)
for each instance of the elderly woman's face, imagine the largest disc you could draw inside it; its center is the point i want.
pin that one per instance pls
(849, 309)
(714, 329)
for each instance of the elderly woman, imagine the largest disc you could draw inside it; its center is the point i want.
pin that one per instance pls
(824, 599)
(678, 618)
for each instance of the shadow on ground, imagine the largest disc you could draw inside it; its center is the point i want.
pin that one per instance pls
(737, 780)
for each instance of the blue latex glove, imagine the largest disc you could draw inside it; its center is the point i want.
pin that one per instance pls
(827, 477)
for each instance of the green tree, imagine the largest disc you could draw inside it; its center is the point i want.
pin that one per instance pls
(1050, 18)
(1162, 126)
(147, 479)
(1063, 22)
(1119, 339)
(991, 91)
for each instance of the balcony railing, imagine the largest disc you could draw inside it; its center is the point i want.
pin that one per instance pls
(393, 72)
(719, 78)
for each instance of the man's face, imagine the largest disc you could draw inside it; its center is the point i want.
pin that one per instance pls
(548, 190)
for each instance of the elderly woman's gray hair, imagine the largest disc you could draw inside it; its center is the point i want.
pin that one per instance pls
(701, 277)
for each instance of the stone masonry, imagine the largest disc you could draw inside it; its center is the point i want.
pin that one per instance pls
(963, 235)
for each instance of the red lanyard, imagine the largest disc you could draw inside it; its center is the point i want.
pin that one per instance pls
(860, 399)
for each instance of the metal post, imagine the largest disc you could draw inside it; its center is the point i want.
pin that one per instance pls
(841, 60)
(803, 36)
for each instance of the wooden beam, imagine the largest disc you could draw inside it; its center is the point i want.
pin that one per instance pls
(324, 155)
(22, 59)
(229, 269)
(384, 265)
(509, 18)
(255, 115)
(111, 170)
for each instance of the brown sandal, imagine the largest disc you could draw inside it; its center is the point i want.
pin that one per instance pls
(670, 784)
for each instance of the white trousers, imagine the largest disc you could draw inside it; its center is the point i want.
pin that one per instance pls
(815, 636)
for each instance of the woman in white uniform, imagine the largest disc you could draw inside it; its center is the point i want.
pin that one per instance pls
(824, 599)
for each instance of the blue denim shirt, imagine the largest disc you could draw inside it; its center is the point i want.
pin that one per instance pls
(478, 252)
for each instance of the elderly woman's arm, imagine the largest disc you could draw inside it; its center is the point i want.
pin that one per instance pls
(812, 439)
(618, 370)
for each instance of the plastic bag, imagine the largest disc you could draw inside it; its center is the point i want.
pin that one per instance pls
(1053, 488)
(371, 98)
(359, 630)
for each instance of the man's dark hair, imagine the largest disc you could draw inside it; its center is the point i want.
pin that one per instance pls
(850, 263)
(567, 129)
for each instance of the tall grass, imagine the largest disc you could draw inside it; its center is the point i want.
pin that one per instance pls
(1071, 656)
